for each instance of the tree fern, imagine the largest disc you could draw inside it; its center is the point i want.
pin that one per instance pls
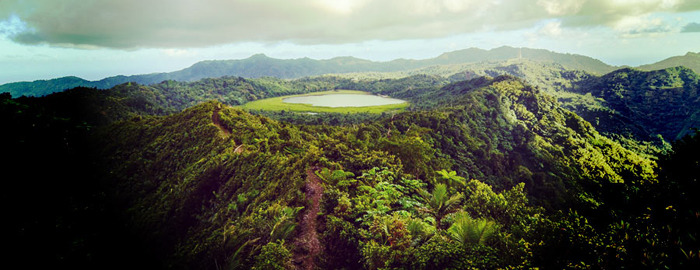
(469, 231)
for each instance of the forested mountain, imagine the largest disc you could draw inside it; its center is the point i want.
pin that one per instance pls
(568, 61)
(625, 104)
(642, 104)
(260, 65)
(690, 60)
(631, 108)
(655, 107)
(651, 107)
(484, 173)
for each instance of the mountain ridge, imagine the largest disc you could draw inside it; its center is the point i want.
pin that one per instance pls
(260, 65)
(690, 60)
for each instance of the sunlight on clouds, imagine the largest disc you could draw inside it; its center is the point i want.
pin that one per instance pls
(549, 30)
(561, 7)
(133, 24)
(342, 6)
(457, 5)
(424, 7)
(632, 27)
(664, 4)
(552, 29)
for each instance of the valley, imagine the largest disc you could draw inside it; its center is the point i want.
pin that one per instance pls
(553, 167)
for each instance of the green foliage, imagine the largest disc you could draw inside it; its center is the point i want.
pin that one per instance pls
(509, 208)
(273, 256)
(439, 203)
(568, 240)
(675, 207)
(213, 186)
(338, 178)
(451, 179)
(283, 223)
(342, 240)
(375, 175)
(642, 104)
(690, 60)
(469, 231)
(440, 254)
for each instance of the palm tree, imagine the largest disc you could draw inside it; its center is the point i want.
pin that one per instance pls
(439, 203)
(467, 230)
(451, 179)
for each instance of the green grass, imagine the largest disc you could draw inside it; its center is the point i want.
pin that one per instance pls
(276, 104)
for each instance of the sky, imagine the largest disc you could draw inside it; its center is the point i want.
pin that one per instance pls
(94, 39)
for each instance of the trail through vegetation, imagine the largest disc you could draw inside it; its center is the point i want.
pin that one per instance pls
(489, 173)
(216, 119)
(308, 245)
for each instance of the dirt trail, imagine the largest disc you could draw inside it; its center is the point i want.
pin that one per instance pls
(308, 245)
(217, 122)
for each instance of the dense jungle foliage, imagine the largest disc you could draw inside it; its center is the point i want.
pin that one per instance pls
(486, 173)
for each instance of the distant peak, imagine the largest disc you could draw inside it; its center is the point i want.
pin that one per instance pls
(258, 55)
(344, 58)
(505, 47)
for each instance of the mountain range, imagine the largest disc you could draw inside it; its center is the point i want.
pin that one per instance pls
(260, 65)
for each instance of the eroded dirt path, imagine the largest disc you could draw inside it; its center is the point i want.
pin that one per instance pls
(308, 245)
(215, 118)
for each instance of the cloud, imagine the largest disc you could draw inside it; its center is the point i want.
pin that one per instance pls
(12, 26)
(691, 27)
(131, 24)
(552, 29)
(178, 52)
(633, 27)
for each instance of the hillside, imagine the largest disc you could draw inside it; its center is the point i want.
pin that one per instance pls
(624, 111)
(213, 185)
(690, 60)
(260, 65)
(642, 104)
(568, 61)
(233, 196)
(172, 184)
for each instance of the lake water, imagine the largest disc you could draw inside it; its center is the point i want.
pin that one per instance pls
(343, 100)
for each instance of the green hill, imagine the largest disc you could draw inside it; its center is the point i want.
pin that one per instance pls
(690, 60)
(643, 104)
(229, 192)
(484, 173)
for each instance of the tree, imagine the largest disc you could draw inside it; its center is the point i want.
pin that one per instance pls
(439, 203)
(451, 179)
(469, 231)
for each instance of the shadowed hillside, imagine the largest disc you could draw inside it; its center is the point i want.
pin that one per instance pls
(485, 173)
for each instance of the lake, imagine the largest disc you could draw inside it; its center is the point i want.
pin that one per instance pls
(343, 100)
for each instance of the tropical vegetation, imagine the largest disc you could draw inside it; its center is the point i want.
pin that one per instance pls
(485, 173)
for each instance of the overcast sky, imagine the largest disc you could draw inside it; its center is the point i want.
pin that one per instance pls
(93, 39)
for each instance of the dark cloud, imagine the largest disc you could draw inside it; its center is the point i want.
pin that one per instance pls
(128, 24)
(691, 27)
